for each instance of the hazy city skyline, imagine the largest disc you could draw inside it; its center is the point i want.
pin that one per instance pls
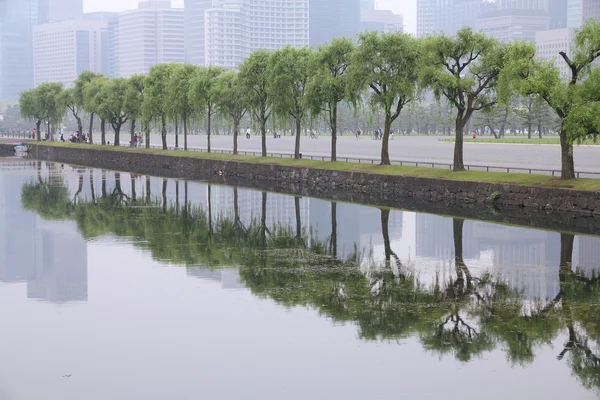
(408, 8)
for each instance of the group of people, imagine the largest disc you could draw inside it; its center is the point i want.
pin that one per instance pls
(137, 140)
(76, 137)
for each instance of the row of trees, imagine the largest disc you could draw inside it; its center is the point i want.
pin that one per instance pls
(389, 72)
(463, 316)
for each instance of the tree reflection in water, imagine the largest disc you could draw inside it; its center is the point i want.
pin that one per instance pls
(465, 316)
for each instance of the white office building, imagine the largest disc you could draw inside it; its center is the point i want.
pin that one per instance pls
(235, 28)
(63, 50)
(508, 25)
(152, 34)
(550, 43)
(59, 10)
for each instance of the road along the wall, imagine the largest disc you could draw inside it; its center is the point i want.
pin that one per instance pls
(547, 208)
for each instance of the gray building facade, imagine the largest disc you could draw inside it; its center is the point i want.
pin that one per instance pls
(329, 19)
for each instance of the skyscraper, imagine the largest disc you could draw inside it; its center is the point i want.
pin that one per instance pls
(425, 17)
(63, 50)
(381, 21)
(591, 9)
(515, 20)
(449, 16)
(367, 4)
(235, 28)
(60, 10)
(332, 19)
(574, 14)
(558, 14)
(17, 18)
(152, 34)
(194, 11)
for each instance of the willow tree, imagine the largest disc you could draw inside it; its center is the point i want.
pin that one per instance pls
(71, 102)
(155, 97)
(203, 96)
(49, 96)
(329, 84)
(178, 96)
(82, 81)
(465, 70)
(255, 80)
(289, 73)
(113, 105)
(134, 100)
(31, 108)
(232, 101)
(573, 97)
(93, 96)
(387, 65)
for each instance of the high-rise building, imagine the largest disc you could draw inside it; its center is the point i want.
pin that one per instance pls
(574, 14)
(591, 9)
(17, 19)
(558, 14)
(508, 25)
(381, 21)
(425, 17)
(449, 16)
(194, 11)
(367, 4)
(550, 43)
(59, 10)
(63, 50)
(152, 34)
(332, 19)
(235, 28)
(109, 41)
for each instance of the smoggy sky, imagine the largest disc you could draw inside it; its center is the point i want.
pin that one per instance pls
(406, 7)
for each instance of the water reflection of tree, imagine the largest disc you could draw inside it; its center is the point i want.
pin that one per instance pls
(465, 317)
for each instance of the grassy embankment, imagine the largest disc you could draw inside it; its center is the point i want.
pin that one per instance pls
(417, 172)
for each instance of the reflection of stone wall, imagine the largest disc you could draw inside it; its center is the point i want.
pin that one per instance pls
(454, 198)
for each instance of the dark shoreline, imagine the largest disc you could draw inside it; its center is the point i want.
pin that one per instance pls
(517, 205)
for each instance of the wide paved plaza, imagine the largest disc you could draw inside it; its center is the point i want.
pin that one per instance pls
(408, 148)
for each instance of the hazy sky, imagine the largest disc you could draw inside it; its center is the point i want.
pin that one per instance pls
(406, 7)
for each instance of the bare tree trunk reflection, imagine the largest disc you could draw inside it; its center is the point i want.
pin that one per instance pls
(334, 238)
(164, 195)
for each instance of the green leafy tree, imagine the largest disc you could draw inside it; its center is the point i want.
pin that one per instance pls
(134, 100)
(232, 101)
(255, 80)
(69, 100)
(203, 95)
(178, 95)
(84, 79)
(465, 70)
(155, 96)
(50, 99)
(388, 66)
(113, 105)
(328, 86)
(94, 98)
(289, 73)
(31, 108)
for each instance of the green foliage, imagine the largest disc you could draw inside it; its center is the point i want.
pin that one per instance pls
(496, 196)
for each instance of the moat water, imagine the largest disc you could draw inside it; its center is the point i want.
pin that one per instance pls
(118, 286)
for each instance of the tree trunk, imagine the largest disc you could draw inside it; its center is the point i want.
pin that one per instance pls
(385, 216)
(48, 132)
(133, 193)
(132, 133)
(540, 128)
(176, 134)
(263, 132)
(103, 131)
(38, 134)
(208, 129)
(147, 131)
(263, 220)
(164, 195)
(210, 229)
(529, 126)
(333, 116)
(297, 144)
(385, 141)
(148, 190)
(459, 164)
(334, 229)
(79, 124)
(92, 189)
(91, 141)
(185, 133)
(566, 150)
(298, 219)
(163, 132)
(117, 129)
(236, 128)
(103, 186)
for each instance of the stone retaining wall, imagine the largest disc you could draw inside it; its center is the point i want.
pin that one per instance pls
(529, 206)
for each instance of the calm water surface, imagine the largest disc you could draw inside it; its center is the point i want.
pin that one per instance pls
(116, 286)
